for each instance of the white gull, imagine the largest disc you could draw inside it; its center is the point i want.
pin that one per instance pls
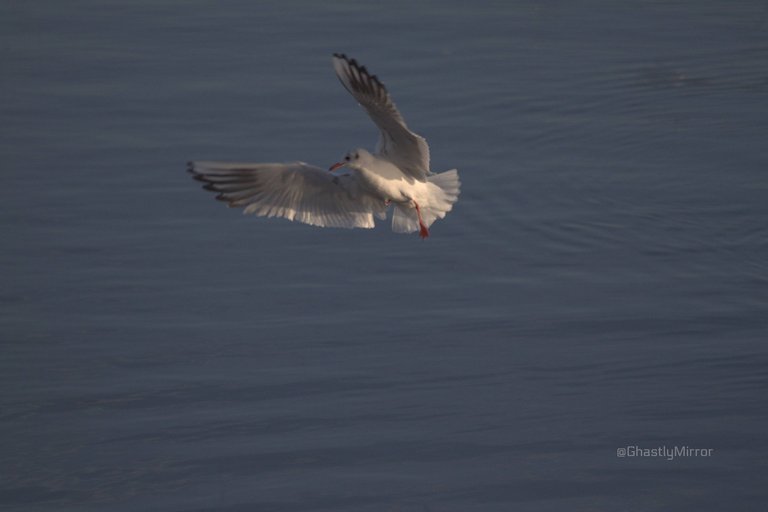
(356, 189)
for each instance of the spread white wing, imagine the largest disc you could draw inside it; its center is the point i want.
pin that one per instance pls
(397, 143)
(295, 191)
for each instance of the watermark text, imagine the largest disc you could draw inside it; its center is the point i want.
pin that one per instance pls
(663, 452)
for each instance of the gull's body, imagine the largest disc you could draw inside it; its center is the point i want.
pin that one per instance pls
(398, 174)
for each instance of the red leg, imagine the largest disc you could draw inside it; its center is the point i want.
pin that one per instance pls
(423, 231)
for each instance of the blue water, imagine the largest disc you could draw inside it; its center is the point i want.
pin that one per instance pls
(602, 282)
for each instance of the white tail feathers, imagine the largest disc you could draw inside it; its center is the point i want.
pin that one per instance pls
(435, 200)
(404, 220)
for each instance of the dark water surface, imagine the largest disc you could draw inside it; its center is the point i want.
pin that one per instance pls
(602, 282)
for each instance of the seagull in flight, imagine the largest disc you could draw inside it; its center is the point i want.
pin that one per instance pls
(361, 186)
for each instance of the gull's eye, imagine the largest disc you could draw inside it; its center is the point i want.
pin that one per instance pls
(346, 158)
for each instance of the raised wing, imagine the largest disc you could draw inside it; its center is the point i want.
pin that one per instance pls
(397, 143)
(295, 191)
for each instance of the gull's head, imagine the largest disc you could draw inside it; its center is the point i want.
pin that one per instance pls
(353, 159)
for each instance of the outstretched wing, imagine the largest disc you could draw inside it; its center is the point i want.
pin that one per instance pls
(397, 143)
(295, 191)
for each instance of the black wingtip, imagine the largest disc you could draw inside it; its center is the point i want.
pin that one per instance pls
(352, 62)
(360, 69)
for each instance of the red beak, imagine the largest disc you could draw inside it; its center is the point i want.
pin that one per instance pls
(335, 166)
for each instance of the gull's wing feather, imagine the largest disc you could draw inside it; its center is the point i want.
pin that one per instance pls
(397, 143)
(295, 191)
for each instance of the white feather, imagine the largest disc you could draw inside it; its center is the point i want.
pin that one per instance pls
(397, 143)
(435, 198)
(294, 191)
